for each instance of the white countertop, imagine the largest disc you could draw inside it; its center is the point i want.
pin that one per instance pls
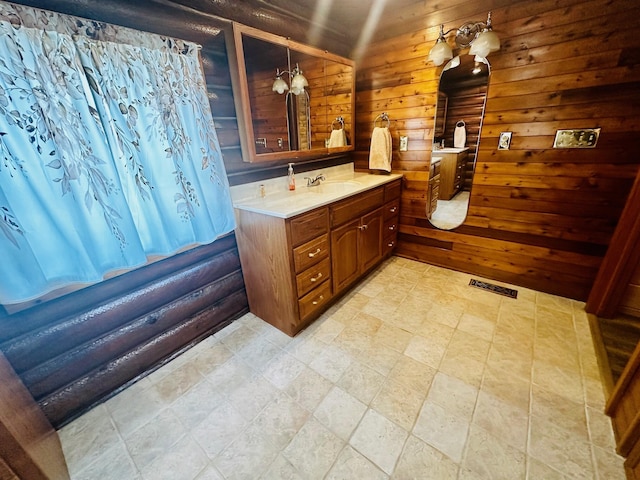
(449, 150)
(341, 182)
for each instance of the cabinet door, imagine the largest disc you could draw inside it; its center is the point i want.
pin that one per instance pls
(344, 255)
(370, 241)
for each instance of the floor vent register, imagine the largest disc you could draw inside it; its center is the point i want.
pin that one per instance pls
(507, 292)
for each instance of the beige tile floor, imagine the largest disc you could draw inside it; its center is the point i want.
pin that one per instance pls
(413, 375)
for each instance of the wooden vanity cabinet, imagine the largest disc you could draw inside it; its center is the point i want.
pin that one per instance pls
(293, 268)
(452, 167)
(434, 188)
(391, 215)
(356, 246)
(286, 266)
(363, 230)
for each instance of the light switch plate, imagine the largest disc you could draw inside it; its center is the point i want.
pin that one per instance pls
(582, 138)
(404, 143)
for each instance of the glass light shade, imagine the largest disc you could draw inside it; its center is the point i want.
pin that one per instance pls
(486, 43)
(280, 85)
(299, 82)
(440, 52)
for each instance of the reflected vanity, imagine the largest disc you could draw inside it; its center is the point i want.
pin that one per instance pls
(462, 94)
(288, 97)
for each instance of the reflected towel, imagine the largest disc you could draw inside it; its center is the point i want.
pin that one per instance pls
(380, 153)
(460, 135)
(338, 138)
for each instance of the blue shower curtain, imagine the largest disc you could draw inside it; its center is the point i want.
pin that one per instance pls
(108, 152)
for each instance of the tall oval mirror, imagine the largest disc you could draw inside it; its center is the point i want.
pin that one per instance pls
(462, 94)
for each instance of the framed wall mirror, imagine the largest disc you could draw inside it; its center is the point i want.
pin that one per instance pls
(288, 96)
(462, 95)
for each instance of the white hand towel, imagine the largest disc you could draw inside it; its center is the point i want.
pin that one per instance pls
(380, 152)
(460, 135)
(337, 138)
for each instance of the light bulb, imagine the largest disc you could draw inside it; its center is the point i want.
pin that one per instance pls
(486, 43)
(299, 81)
(440, 52)
(280, 85)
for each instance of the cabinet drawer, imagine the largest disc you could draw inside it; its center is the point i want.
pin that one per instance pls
(351, 208)
(392, 190)
(390, 227)
(311, 252)
(392, 209)
(309, 225)
(314, 301)
(312, 277)
(389, 245)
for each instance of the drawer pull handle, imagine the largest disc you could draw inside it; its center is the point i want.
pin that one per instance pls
(313, 254)
(393, 209)
(392, 227)
(317, 277)
(320, 298)
(390, 244)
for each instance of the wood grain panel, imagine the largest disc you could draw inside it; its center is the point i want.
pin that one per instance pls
(29, 447)
(563, 64)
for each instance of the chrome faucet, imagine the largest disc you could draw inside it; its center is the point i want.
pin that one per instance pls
(314, 182)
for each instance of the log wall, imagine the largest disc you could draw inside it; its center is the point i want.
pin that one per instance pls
(539, 217)
(74, 351)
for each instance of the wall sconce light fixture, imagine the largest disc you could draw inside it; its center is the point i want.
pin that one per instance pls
(478, 35)
(298, 81)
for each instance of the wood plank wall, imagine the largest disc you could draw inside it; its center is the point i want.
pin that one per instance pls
(631, 299)
(466, 103)
(539, 217)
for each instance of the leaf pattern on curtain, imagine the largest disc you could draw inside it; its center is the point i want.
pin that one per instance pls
(107, 149)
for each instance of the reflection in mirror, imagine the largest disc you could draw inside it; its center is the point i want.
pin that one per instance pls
(278, 126)
(339, 100)
(305, 109)
(299, 120)
(462, 95)
(268, 108)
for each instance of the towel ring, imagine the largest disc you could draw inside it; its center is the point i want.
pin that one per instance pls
(460, 123)
(383, 117)
(339, 121)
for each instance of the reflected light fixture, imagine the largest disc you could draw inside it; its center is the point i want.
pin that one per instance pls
(477, 35)
(298, 81)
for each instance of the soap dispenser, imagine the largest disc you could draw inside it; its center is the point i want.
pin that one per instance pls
(292, 178)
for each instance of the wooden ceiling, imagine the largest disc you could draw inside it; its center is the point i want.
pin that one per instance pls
(340, 26)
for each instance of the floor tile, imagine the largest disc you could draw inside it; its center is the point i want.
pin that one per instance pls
(453, 394)
(380, 440)
(398, 403)
(351, 465)
(154, 439)
(313, 450)
(412, 374)
(490, 457)
(560, 449)
(361, 381)
(420, 460)
(442, 430)
(340, 412)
